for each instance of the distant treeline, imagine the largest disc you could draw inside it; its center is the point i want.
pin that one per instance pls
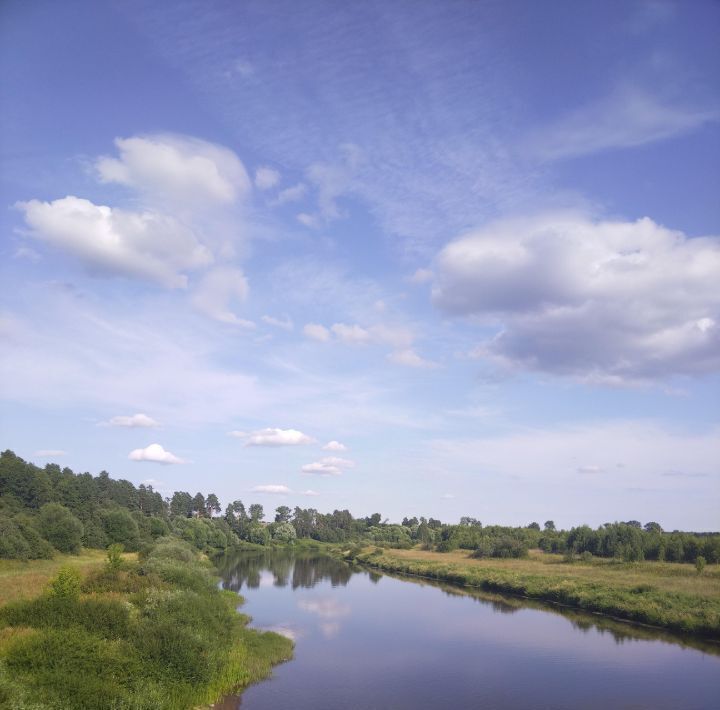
(46, 509)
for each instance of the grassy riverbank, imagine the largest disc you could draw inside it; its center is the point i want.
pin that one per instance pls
(670, 596)
(154, 633)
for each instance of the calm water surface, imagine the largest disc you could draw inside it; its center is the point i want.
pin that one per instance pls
(364, 640)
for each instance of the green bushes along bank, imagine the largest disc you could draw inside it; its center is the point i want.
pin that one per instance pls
(156, 633)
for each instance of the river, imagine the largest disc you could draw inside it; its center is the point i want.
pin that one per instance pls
(369, 641)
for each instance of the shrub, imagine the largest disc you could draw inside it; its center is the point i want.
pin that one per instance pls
(121, 527)
(13, 544)
(60, 527)
(66, 584)
(700, 564)
(114, 556)
(284, 532)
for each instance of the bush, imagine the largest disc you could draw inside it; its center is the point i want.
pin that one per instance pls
(60, 528)
(66, 585)
(284, 532)
(120, 527)
(114, 556)
(13, 545)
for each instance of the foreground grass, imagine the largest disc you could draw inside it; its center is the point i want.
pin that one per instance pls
(670, 596)
(151, 634)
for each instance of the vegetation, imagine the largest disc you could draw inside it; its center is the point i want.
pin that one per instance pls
(670, 596)
(48, 509)
(149, 633)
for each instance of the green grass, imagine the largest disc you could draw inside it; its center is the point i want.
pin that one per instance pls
(153, 634)
(668, 596)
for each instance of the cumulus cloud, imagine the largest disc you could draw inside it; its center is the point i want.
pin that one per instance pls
(132, 421)
(265, 178)
(49, 453)
(328, 466)
(310, 492)
(273, 437)
(154, 453)
(409, 358)
(604, 301)
(145, 245)
(179, 169)
(334, 446)
(315, 331)
(271, 488)
(217, 290)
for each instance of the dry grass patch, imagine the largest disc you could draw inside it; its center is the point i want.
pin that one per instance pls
(26, 580)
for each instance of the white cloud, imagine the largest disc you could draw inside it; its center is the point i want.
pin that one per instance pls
(316, 332)
(132, 421)
(421, 276)
(590, 469)
(178, 169)
(146, 245)
(273, 437)
(283, 323)
(215, 292)
(49, 453)
(409, 358)
(627, 118)
(603, 301)
(334, 446)
(271, 488)
(154, 453)
(351, 334)
(310, 492)
(447, 496)
(328, 466)
(308, 220)
(290, 194)
(266, 178)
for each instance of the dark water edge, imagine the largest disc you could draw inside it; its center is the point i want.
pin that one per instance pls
(371, 640)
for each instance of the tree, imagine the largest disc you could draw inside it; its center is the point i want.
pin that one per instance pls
(634, 524)
(282, 514)
(60, 527)
(120, 527)
(198, 505)
(470, 522)
(549, 525)
(256, 512)
(373, 520)
(212, 504)
(534, 526)
(284, 532)
(653, 527)
(181, 504)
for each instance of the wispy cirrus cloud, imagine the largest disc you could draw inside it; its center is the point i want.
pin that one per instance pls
(627, 118)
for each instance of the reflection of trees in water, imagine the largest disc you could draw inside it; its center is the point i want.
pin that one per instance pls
(620, 631)
(298, 569)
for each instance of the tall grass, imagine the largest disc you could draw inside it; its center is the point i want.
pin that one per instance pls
(150, 634)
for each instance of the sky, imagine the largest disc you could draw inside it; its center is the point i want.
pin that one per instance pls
(443, 258)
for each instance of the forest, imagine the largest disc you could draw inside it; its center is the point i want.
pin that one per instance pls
(53, 508)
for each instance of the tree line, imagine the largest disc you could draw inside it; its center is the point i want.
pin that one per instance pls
(47, 509)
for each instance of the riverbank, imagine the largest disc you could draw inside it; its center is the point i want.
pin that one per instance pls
(149, 633)
(668, 596)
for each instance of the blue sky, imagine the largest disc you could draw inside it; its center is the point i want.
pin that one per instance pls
(441, 258)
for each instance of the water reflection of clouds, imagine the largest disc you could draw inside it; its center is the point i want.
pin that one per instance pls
(290, 631)
(329, 611)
